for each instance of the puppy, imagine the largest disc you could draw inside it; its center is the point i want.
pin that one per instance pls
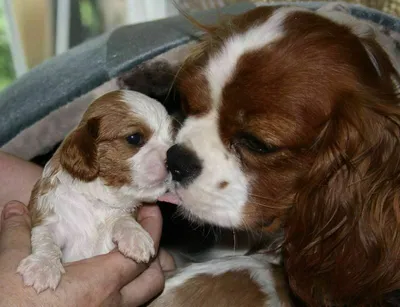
(102, 172)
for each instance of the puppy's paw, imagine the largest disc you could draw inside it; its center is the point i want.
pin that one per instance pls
(41, 272)
(134, 242)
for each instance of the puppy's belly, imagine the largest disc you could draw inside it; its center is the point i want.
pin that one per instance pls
(82, 248)
(78, 243)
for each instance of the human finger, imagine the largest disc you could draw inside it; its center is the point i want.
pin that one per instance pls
(167, 262)
(149, 216)
(110, 271)
(145, 287)
(15, 232)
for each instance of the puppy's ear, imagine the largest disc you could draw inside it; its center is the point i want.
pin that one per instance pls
(343, 236)
(78, 153)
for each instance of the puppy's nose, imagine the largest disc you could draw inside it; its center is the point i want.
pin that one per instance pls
(183, 164)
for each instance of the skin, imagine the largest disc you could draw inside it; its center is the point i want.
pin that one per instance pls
(17, 178)
(106, 280)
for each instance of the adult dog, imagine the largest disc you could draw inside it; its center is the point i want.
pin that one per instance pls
(292, 122)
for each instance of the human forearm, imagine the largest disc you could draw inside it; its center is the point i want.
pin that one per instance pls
(17, 178)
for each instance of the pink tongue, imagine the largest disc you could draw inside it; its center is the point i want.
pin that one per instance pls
(171, 198)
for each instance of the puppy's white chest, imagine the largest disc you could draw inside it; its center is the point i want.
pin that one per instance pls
(85, 240)
(83, 228)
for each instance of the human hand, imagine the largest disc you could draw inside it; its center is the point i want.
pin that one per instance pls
(106, 280)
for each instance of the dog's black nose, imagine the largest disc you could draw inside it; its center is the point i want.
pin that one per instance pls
(183, 164)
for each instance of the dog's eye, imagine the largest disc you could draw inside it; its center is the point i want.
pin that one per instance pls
(135, 139)
(253, 144)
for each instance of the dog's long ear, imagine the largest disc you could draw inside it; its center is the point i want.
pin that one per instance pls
(78, 153)
(343, 236)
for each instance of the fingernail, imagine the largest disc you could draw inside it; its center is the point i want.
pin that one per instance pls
(14, 208)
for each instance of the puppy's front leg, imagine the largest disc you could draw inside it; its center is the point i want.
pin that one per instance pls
(43, 268)
(132, 240)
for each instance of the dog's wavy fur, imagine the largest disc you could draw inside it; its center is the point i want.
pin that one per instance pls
(342, 237)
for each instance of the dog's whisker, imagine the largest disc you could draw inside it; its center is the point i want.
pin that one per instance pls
(264, 197)
(274, 206)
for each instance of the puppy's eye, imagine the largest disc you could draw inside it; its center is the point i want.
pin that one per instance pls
(252, 143)
(135, 139)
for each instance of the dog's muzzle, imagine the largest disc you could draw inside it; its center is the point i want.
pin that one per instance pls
(183, 164)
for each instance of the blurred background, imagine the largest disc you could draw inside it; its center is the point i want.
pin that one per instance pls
(32, 31)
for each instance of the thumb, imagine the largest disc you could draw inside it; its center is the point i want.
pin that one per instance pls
(15, 228)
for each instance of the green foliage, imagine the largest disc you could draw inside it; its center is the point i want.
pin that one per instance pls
(7, 74)
(89, 17)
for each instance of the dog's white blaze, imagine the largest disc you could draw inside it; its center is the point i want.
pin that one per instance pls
(258, 270)
(203, 198)
(221, 68)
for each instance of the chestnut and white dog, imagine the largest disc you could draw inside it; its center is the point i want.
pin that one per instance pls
(84, 203)
(292, 123)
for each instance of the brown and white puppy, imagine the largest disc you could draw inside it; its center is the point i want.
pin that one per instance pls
(83, 204)
(293, 122)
